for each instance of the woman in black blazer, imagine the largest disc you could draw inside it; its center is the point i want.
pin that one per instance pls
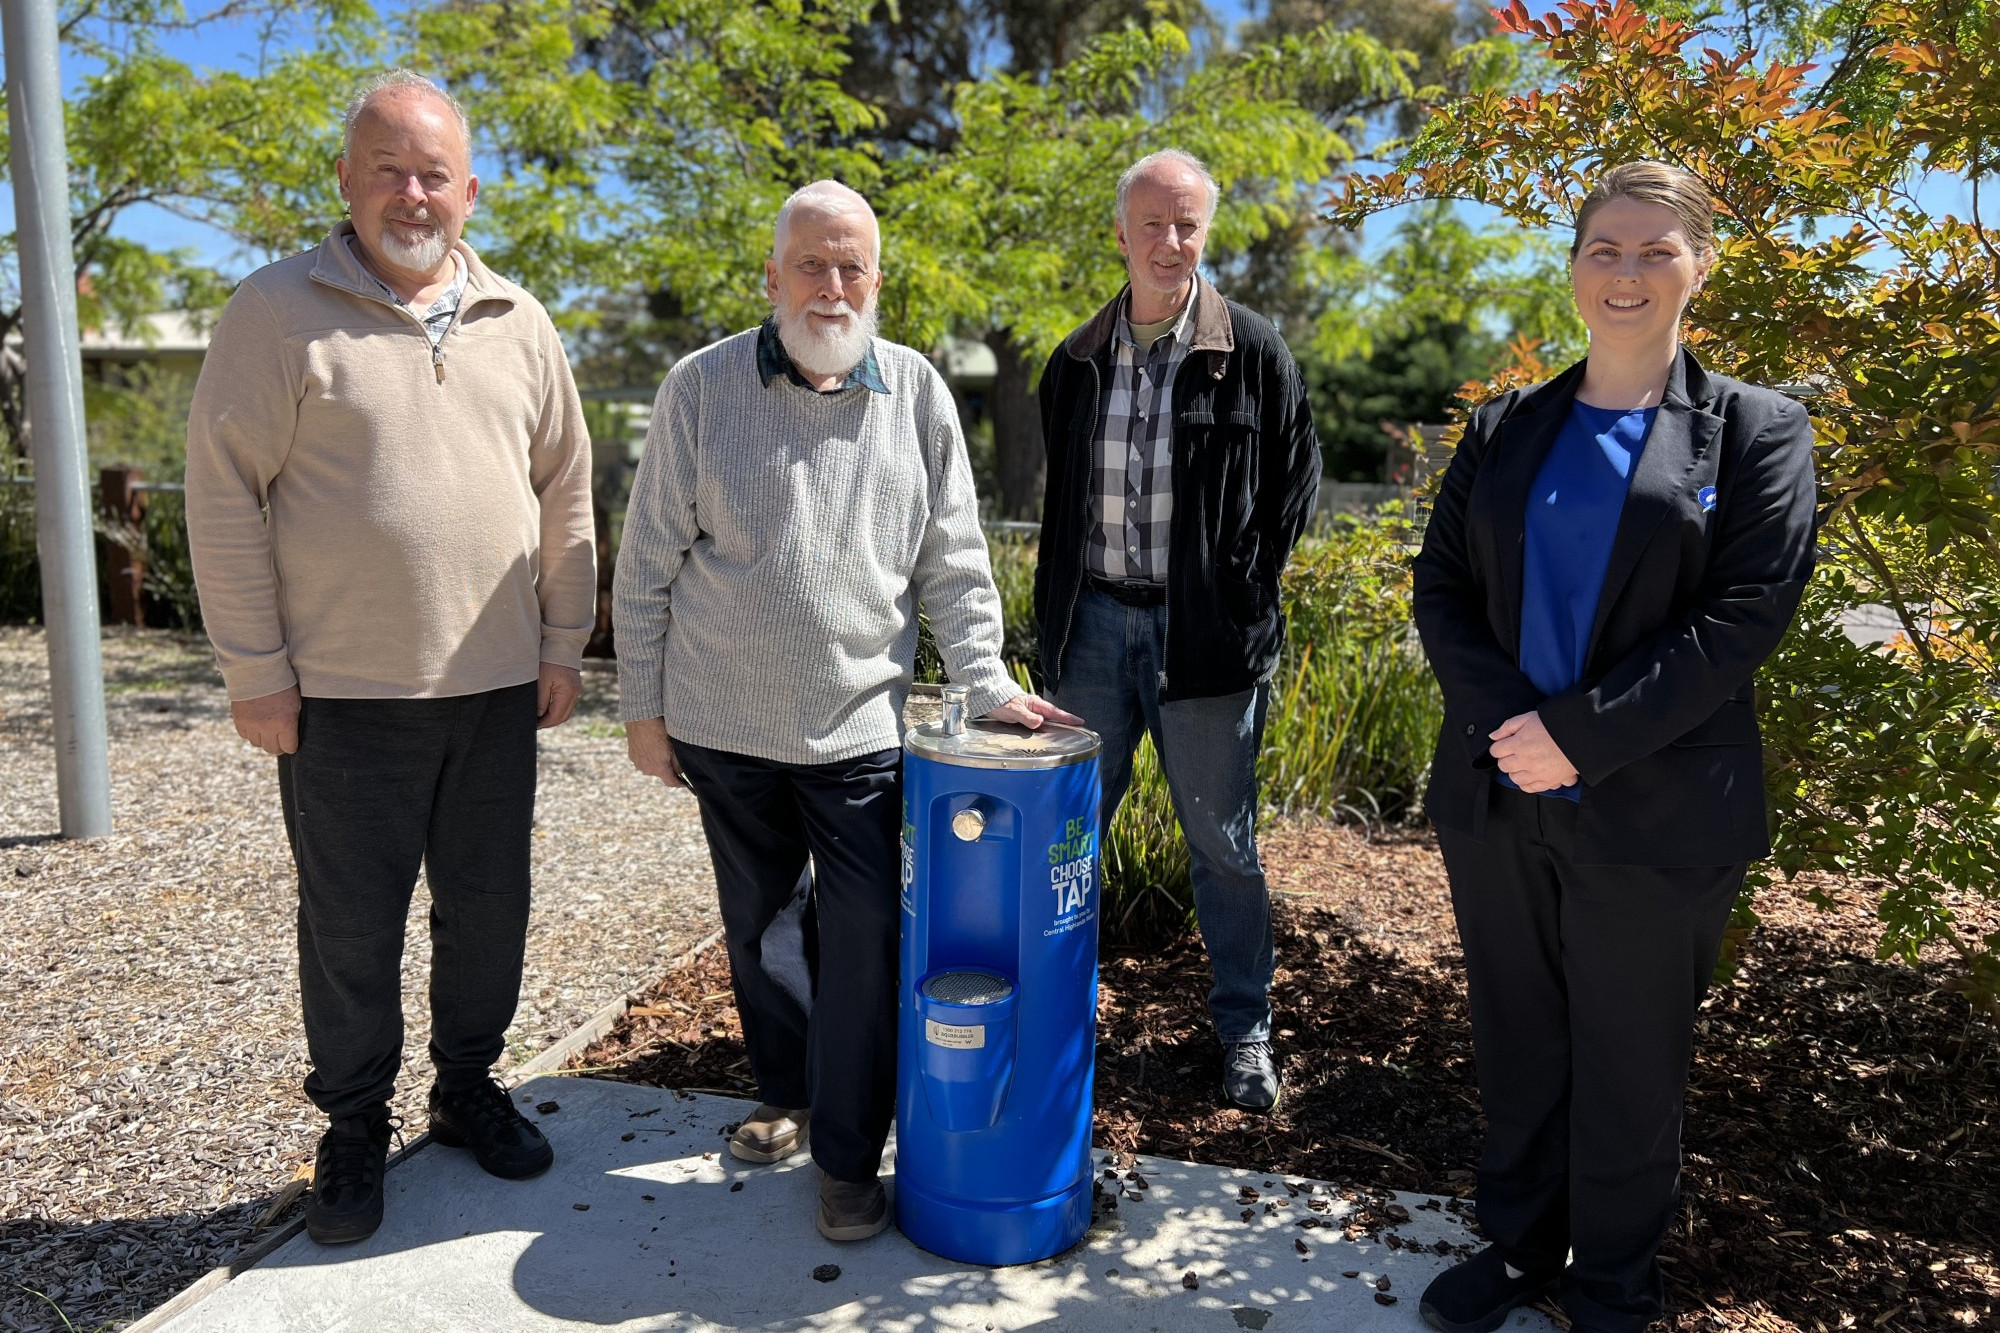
(1611, 556)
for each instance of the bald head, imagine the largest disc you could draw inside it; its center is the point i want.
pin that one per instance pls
(825, 201)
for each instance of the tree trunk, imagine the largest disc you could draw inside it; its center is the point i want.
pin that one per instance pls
(602, 642)
(1018, 456)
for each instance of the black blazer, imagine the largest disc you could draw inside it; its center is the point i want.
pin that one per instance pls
(1700, 587)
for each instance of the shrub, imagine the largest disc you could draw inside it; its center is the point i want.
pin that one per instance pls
(20, 565)
(140, 420)
(1355, 710)
(1144, 862)
(1353, 718)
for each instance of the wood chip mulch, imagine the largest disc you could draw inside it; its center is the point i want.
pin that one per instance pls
(1843, 1169)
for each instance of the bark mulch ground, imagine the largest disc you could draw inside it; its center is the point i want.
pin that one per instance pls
(150, 1046)
(1843, 1170)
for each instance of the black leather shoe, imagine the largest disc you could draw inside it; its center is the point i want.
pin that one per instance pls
(482, 1117)
(852, 1211)
(1250, 1076)
(347, 1179)
(1476, 1296)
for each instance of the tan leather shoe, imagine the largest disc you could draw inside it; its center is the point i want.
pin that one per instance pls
(851, 1212)
(771, 1134)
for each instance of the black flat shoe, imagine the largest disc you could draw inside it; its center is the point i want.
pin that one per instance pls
(1250, 1076)
(1477, 1295)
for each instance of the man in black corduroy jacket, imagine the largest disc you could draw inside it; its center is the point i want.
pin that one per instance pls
(1182, 467)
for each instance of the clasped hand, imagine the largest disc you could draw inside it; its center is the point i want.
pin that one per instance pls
(1529, 755)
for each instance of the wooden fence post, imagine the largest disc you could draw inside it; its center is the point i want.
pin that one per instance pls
(125, 506)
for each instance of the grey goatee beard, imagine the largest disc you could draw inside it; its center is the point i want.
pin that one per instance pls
(419, 256)
(821, 353)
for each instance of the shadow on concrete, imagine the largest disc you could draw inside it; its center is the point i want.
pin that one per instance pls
(646, 1223)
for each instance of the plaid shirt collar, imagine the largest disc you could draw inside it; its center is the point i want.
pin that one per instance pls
(773, 361)
(1122, 331)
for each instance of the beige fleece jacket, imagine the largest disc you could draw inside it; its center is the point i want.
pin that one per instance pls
(371, 519)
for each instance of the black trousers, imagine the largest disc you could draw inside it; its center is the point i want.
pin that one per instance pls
(1584, 983)
(378, 789)
(807, 859)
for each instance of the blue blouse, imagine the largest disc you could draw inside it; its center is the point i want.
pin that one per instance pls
(1573, 511)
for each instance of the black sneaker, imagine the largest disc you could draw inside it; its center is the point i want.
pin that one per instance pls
(482, 1117)
(347, 1179)
(1476, 1296)
(1250, 1075)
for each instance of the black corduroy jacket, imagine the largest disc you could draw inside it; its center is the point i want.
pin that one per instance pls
(1246, 469)
(1711, 555)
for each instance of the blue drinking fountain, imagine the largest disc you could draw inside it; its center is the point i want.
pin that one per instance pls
(997, 1035)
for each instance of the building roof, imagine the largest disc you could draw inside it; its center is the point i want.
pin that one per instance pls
(169, 332)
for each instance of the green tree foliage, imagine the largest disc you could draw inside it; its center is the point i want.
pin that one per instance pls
(250, 154)
(1363, 403)
(647, 144)
(907, 58)
(140, 421)
(1832, 277)
(1400, 331)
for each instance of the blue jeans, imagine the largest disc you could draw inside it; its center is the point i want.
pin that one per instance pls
(1208, 751)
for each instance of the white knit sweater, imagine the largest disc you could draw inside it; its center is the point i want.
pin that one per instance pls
(776, 547)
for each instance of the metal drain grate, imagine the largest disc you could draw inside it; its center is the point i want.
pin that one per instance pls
(967, 988)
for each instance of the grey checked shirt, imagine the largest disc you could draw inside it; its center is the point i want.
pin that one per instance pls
(1131, 500)
(436, 320)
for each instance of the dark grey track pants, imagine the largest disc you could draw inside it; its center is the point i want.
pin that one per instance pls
(380, 788)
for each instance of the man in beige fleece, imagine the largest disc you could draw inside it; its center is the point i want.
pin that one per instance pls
(389, 507)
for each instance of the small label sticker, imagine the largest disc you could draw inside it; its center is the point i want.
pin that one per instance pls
(957, 1038)
(1707, 497)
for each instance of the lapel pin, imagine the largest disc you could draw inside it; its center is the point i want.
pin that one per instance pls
(1707, 497)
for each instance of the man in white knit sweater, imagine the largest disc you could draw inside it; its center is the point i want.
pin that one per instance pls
(804, 487)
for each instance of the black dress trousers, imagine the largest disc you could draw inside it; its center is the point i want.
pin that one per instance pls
(1584, 982)
(807, 862)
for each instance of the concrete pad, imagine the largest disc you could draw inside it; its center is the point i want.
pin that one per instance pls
(646, 1223)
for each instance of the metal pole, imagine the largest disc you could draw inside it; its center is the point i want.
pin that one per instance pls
(55, 410)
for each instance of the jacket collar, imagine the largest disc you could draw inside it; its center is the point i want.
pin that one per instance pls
(1211, 331)
(1682, 434)
(335, 265)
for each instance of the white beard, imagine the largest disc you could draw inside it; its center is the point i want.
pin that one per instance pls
(822, 352)
(424, 255)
